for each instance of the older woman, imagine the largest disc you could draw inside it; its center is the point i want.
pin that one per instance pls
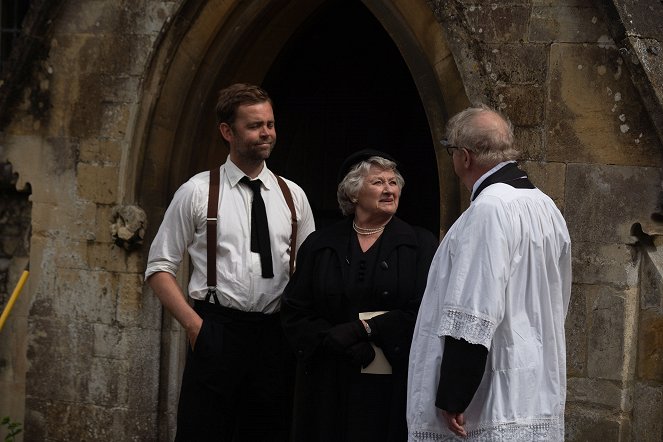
(352, 372)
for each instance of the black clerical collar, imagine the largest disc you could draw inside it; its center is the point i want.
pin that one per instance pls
(509, 174)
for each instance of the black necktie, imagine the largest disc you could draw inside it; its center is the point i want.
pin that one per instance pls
(259, 228)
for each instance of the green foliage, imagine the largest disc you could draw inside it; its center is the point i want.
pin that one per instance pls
(13, 428)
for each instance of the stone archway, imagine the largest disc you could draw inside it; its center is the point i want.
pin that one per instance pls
(207, 46)
(210, 44)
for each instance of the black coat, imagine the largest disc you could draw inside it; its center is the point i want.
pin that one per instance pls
(315, 299)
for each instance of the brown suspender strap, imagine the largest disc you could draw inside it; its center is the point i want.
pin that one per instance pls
(212, 213)
(293, 221)
(212, 222)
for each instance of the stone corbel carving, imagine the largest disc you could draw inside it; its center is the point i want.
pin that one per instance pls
(128, 224)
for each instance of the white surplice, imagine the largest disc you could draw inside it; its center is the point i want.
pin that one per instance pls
(500, 278)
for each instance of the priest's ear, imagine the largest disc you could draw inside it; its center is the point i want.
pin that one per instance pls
(467, 159)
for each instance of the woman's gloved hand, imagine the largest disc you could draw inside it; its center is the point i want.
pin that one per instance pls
(361, 353)
(344, 335)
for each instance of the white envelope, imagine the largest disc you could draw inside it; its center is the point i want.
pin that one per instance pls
(380, 365)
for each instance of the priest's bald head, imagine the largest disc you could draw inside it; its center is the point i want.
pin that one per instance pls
(478, 138)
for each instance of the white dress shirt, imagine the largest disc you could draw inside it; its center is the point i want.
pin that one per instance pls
(240, 284)
(500, 278)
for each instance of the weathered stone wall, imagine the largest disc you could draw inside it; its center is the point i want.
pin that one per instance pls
(648, 385)
(15, 210)
(15, 213)
(637, 29)
(93, 337)
(589, 141)
(560, 70)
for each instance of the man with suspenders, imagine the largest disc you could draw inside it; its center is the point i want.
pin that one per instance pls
(240, 224)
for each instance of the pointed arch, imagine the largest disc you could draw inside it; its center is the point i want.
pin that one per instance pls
(207, 45)
(212, 43)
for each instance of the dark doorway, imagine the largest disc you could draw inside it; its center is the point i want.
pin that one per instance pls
(340, 85)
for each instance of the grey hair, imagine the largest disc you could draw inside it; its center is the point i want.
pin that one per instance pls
(351, 184)
(491, 140)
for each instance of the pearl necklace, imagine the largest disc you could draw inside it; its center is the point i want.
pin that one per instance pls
(363, 231)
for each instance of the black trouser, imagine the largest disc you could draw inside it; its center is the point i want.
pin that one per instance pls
(237, 383)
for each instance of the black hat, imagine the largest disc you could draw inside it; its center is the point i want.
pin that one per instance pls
(356, 157)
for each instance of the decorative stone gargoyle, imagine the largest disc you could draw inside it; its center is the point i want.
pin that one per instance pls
(128, 225)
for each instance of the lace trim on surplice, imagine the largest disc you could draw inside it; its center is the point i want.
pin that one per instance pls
(426, 436)
(539, 430)
(472, 328)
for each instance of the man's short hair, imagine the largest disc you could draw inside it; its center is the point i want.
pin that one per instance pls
(236, 95)
(485, 132)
